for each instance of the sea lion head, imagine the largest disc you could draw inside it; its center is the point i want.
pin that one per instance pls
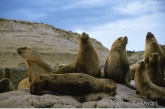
(38, 84)
(7, 70)
(110, 87)
(150, 37)
(120, 43)
(23, 51)
(28, 53)
(141, 66)
(154, 58)
(84, 37)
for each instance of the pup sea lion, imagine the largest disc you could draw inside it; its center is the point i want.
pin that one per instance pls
(152, 46)
(36, 65)
(6, 73)
(71, 83)
(145, 87)
(153, 70)
(87, 60)
(117, 64)
(6, 85)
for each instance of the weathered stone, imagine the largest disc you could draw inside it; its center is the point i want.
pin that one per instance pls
(125, 98)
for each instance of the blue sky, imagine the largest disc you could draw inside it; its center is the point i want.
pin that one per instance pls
(104, 20)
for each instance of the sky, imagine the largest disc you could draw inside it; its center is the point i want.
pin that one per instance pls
(103, 20)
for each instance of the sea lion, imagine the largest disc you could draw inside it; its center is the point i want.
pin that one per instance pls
(145, 87)
(132, 70)
(24, 83)
(36, 65)
(6, 73)
(72, 84)
(117, 64)
(163, 47)
(154, 71)
(6, 85)
(152, 46)
(87, 60)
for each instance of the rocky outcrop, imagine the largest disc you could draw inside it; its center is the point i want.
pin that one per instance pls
(125, 98)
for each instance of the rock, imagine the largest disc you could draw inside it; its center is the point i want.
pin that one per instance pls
(125, 98)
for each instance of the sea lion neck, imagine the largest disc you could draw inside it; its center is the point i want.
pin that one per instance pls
(141, 68)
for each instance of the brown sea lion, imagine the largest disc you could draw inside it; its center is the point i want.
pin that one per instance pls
(132, 70)
(24, 83)
(72, 84)
(133, 66)
(152, 46)
(163, 47)
(6, 73)
(6, 85)
(145, 87)
(36, 65)
(153, 70)
(87, 60)
(117, 64)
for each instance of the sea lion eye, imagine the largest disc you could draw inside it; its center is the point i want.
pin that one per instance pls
(24, 48)
(108, 89)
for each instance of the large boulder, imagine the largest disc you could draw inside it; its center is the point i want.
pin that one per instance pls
(125, 97)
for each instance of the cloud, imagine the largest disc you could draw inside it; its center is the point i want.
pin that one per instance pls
(139, 7)
(135, 29)
(85, 4)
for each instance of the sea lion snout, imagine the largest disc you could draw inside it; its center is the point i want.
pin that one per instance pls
(154, 56)
(84, 36)
(20, 50)
(149, 35)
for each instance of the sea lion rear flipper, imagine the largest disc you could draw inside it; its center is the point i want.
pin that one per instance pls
(127, 81)
(130, 86)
